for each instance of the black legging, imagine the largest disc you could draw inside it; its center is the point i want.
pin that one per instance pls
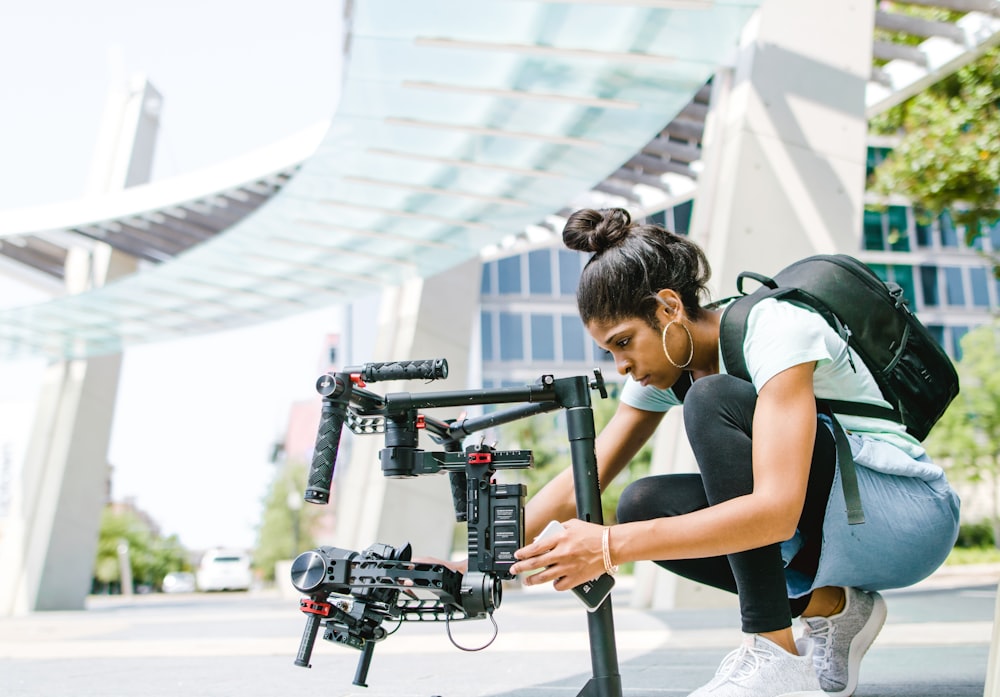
(718, 417)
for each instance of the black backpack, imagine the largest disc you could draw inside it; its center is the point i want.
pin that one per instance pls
(913, 372)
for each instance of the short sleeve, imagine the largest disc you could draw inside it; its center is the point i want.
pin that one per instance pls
(647, 398)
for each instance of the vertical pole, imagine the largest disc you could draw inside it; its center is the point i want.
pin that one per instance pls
(606, 681)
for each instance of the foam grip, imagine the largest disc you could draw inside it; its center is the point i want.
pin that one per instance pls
(430, 369)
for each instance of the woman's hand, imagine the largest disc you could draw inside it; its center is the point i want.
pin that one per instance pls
(569, 558)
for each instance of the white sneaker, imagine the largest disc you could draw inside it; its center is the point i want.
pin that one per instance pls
(761, 668)
(841, 640)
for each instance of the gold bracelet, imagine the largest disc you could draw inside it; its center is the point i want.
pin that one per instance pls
(609, 568)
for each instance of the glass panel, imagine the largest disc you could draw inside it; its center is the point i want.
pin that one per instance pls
(980, 288)
(995, 235)
(543, 338)
(949, 238)
(929, 286)
(953, 282)
(903, 275)
(957, 333)
(509, 275)
(899, 237)
(873, 230)
(881, 270)
(569, 271)
(573, 343)
(682, 217)
(486, 335)
(540, 272)
(511, 337)
(922, 223)
(486, 288)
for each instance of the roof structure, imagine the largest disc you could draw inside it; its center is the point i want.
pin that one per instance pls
(459, 127)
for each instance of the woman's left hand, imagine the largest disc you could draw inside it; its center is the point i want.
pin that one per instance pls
(572, 557)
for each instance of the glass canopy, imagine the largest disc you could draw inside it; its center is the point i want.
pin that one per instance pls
(460, 123)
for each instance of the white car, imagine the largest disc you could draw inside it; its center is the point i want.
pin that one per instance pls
(224, 570)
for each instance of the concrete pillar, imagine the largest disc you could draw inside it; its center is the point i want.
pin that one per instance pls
(48, 549)
(785, 142)
(50, 544)
(421, 319)
(783, 176)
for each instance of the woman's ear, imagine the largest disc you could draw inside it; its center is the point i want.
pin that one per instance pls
(671, 303)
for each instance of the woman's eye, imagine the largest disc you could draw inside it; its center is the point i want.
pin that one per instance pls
(622, 343)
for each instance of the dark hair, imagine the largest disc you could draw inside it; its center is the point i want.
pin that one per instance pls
(631, 262)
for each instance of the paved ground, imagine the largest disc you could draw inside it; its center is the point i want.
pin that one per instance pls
(935, 644)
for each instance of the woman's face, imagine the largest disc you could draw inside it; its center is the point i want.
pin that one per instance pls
(637, 349)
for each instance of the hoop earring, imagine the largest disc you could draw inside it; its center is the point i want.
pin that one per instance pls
(690, 341)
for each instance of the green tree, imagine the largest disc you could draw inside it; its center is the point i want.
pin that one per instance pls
(286, 524)
(151, 557)
(967, 437)
(948, 156)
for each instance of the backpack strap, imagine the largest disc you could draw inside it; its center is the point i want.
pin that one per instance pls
(845, 460)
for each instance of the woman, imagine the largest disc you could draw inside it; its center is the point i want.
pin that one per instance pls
(764, 518)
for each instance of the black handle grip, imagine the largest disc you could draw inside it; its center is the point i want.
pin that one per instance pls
(327, 443)
(460, 495)
(308, 639)
(364, 662)
(430, 369)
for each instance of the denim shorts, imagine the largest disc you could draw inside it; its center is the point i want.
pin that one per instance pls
(911, 523)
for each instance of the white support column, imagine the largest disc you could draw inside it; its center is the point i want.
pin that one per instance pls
(783, 177)
(49, 549)
(785, 142)
(422, 319)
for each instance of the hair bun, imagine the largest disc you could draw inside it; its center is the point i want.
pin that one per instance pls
(590, 230)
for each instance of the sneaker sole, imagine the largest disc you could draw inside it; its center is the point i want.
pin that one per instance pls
(860, 644)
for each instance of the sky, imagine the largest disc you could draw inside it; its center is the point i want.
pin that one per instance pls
(195, 419)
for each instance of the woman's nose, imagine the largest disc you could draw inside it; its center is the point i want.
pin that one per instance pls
(623, 366)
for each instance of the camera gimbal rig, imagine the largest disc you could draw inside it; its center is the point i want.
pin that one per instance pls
(351, 594)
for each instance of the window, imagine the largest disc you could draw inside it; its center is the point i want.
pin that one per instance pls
(569, 271)
(572, 339)
(543, 338)
(682, 217)
(486, 334)
(511, 337)
(929, 285)
(903, 275)
(953, 284)
(486, 288)
(509, 275)
(980, 288)
(948, 236)
(873, 231)
(899, 231)
(539, 272)
(957, 333)
(922, 223)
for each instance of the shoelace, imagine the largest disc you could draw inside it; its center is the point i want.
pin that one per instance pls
(742, 663)
(821, 634)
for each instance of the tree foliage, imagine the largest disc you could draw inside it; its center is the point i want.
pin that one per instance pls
(286, 523)
(948, 156)
(967, 437)
(151, 556)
